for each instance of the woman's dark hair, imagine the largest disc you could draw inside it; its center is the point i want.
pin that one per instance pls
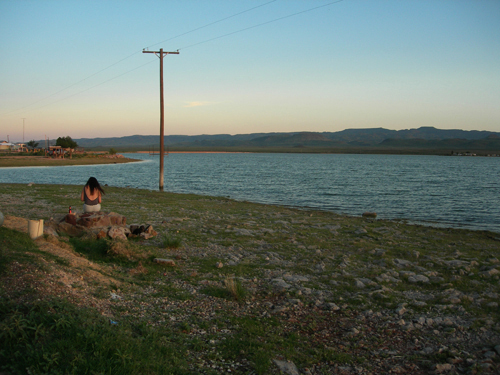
(93, 184)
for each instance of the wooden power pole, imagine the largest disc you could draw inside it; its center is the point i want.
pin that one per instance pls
(161, 54)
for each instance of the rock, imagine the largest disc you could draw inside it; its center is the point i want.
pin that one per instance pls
(353, 332)
(145, 231)
(408, 327)
(406, 273)
(1, 219)
(91, 220)
(444, 367)
(135, 228)
(166, 262)
(115, 296)
(491, 272)
(485, 366)
(418, 279)
(116, 232)
(286, 367)
(380, 252)
(402, 262)
(489, 354)
(145, 235)
(98, 219)
(70, 219)
(219, 265)
(295, 278)
(70, 230)
(366, 281)
(101, 234)
(436, 279)
(400, 310)
(281, 284)
(370, 215)
(359, 284)
(332, 306)
(427, 351)
(50, 231)
(320, 267)
(455, 263)
(243, 232)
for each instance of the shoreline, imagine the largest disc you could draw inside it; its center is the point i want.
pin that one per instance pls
(42, 161)
(403, 221)
(321, 290)
(190, 152)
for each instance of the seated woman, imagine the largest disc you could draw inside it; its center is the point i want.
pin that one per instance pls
(91, 196)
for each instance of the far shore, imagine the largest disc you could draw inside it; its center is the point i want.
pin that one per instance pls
(14, 161)
(192, 152)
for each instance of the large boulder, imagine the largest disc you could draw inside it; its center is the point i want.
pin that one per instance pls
(103, 224)
(96, 219)
(118, 232)
(70, 230)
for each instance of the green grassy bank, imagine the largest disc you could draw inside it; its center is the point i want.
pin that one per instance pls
(41, 161)
(252, 285)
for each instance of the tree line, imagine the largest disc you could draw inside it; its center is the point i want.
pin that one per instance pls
(64, 142)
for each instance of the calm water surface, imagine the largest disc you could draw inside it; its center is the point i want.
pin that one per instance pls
(447, 191)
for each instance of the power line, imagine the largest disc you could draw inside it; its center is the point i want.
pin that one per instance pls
(261, 24)
(93, 87)
(212, 23)
(179, 35)
(127, 57)
(70, 86)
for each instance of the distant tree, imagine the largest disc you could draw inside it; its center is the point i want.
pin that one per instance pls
(112, 151)
(32, 144)
(66, 142)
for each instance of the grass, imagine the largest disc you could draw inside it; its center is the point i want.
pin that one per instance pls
(15, 160)
(231, 290)
(197, 318)
(170, 242)
(54, 337)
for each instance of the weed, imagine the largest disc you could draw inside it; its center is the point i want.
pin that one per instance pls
(235, 289)
(170, 242)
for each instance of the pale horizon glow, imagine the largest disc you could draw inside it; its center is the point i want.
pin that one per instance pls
(76, 67)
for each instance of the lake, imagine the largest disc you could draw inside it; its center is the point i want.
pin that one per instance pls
(446, 191)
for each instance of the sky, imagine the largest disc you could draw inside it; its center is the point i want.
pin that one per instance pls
(76, 68)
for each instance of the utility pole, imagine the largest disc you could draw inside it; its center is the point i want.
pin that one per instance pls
(161, 54)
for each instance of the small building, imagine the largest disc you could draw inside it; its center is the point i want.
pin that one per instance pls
(6, 146)
(20, 147)
(55, 151)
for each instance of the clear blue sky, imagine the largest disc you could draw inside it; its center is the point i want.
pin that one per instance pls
(76, 67)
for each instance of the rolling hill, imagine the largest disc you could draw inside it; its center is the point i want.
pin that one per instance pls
(421, 140)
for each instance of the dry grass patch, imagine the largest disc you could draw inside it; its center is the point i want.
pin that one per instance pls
(125, 249)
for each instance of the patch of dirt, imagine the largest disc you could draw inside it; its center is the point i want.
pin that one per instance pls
(16, 223)
(69, 275)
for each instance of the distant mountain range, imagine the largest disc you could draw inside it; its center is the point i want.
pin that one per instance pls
(349, 140)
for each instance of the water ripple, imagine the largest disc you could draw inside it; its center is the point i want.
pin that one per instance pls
(451, 191)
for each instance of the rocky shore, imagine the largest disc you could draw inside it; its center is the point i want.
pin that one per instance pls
(317, 292)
